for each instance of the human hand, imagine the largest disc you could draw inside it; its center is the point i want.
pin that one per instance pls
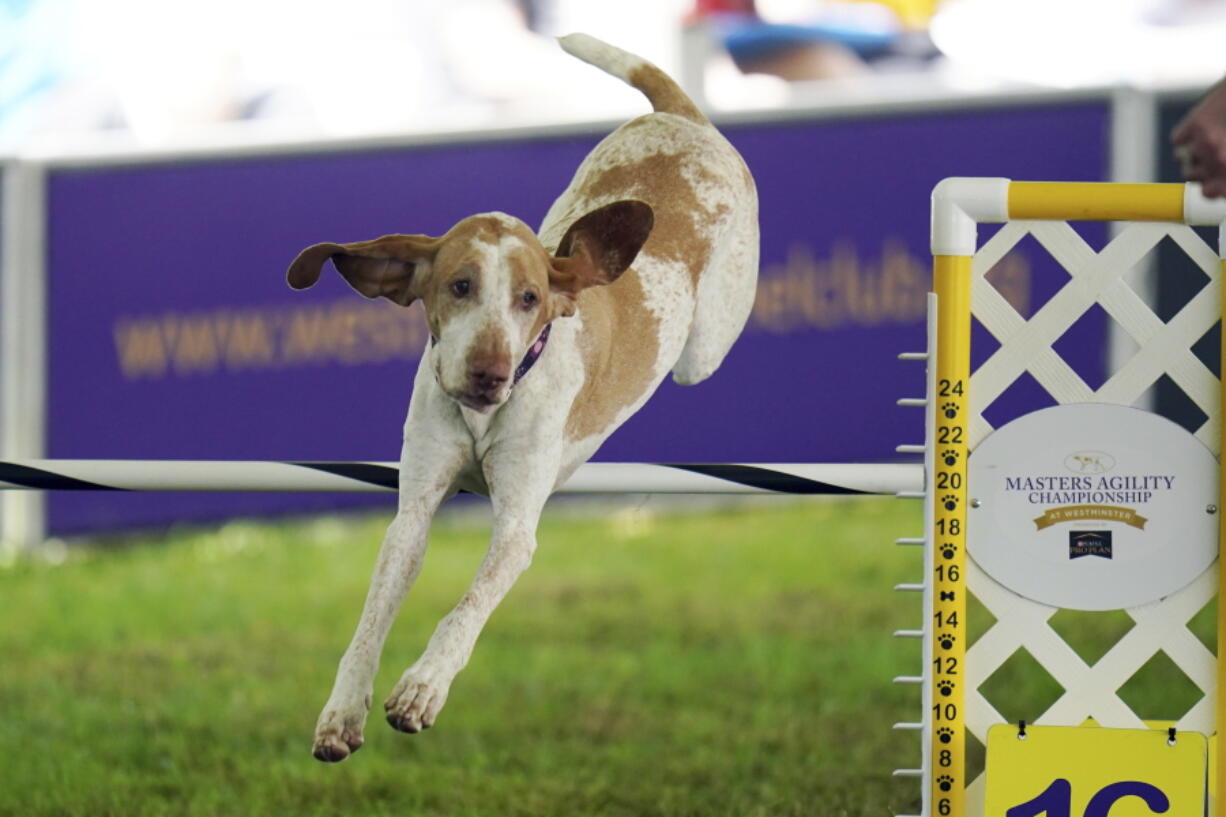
(1200, 142)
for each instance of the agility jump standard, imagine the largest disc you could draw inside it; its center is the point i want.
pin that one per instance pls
(990, 503)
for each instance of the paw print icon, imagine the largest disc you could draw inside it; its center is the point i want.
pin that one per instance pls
(949, 551)
(945, 734)
(950, 501)
(945, 782)
(946, 640)
(946, 688)
(950, 458)
(950, 410)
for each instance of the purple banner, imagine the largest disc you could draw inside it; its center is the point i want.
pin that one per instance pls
(173, 335)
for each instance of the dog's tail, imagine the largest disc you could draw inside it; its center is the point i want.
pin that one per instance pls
(660, 89)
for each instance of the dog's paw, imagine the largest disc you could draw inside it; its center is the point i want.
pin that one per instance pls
(416, 700)
(338, 733)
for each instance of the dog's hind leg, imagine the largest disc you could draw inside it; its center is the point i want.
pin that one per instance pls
(427, 471)
(519, 481)
(724, 301)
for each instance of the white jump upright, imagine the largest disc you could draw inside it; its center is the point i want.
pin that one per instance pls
(1074, 507)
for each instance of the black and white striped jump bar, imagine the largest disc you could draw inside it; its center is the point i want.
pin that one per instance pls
(591, 478)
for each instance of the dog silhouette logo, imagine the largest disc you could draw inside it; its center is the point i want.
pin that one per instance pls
(1089, 462)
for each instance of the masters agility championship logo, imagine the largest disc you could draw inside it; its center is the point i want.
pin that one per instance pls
(1135, 491)
(1091, 491)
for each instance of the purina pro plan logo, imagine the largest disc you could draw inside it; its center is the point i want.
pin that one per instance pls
(1092, 506)
(1089, 543)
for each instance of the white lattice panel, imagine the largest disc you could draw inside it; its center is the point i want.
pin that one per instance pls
(1091, 691)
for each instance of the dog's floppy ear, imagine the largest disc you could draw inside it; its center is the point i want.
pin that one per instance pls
(389, 266)
(600, 246)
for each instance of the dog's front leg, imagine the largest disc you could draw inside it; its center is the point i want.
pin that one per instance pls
(519, 482)
(426, 475)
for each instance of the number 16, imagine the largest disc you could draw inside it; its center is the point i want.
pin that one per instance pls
(1056, 799)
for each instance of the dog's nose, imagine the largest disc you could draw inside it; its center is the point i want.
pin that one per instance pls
(489, 377)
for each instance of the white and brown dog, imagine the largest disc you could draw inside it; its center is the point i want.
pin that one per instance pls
(651, 255)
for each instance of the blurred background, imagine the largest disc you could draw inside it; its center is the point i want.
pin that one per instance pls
(73, 72)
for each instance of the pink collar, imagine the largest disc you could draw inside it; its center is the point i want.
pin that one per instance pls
(534, 352)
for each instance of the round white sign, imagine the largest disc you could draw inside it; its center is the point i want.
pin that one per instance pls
(1092, 507)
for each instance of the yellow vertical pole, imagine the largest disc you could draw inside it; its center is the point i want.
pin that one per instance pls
(951, 281)
(1217, 773)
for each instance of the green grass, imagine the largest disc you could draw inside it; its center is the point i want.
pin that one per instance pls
(728, 661)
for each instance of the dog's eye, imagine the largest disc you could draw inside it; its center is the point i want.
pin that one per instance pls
(461, 287)
(528, 299)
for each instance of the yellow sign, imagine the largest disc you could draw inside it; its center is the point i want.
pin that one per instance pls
(1080, 771)
(1072, 513)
